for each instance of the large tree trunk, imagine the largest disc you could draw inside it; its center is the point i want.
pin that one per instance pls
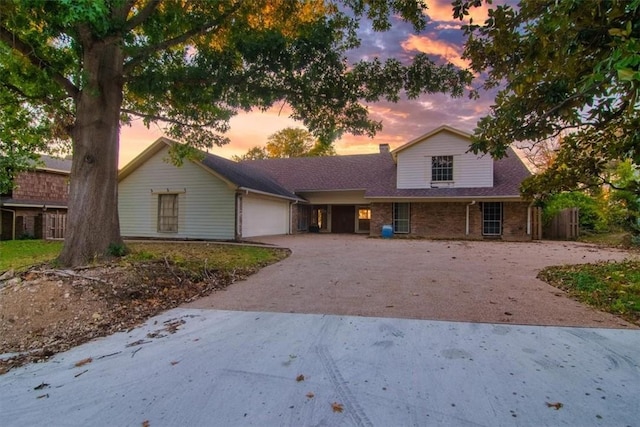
(92, 220)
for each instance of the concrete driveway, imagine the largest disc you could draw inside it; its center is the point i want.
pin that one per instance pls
(488, 281)
(208, 367)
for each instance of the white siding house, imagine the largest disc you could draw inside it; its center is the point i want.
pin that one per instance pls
(431, 187)
(214, 199)
(415, 160)
(205, 203)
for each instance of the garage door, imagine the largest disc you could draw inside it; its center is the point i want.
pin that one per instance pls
(263, 217)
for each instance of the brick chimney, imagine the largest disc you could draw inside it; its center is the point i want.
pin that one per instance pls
(384, 148)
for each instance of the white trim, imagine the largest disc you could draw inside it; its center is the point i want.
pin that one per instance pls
(264, 193)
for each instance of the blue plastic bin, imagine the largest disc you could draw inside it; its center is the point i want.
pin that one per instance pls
(387, 231)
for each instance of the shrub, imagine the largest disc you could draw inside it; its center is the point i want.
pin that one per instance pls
(592, 217)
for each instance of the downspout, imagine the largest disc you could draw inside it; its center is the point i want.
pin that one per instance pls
(238, 232)
(529, 219)
(13, 229)
(291, 206)
(473, 202)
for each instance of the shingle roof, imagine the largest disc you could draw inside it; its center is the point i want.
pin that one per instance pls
(53, 163)
(508, 173)
(376, 174)
(245, 177)
(300, 174)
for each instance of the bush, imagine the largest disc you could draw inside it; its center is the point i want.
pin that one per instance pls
(592, 217)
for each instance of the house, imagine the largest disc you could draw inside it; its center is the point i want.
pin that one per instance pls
(430, 187)
(37, 205)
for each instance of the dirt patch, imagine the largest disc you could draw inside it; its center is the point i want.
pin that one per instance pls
(45, 311)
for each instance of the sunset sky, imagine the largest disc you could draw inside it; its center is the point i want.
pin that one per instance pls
(403, 121)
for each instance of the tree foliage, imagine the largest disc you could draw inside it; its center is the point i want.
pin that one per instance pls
(561, 66)
(289, 142)
(191, 65)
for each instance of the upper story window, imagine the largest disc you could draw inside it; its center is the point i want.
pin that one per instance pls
(442, 168)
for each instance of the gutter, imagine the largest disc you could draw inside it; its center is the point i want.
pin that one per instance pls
(264, 193)
(38, 205)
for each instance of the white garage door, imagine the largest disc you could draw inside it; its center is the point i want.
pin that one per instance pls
(263, 217)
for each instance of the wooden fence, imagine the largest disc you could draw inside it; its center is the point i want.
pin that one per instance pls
(564, 226)
(536, 223)
(55, 225)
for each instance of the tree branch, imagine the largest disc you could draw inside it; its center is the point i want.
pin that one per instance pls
(155, 117)
(12, 40)
(141, 16)
(206, 28)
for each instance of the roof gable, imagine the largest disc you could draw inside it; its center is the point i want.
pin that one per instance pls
(234, 174)
(426, 136)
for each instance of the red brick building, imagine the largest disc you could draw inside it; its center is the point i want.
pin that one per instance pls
(37, 205)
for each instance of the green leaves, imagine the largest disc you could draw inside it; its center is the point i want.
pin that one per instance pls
(562, 68)
(289, 142)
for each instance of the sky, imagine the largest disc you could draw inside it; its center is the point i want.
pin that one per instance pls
(403, 121)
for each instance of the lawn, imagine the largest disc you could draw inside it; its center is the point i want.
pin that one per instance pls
(20, 254)
(613, 287)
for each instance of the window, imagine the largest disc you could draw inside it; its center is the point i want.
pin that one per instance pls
(364, 219)
(167, 213)
(492, 219)
(401, 217)
(442, 168)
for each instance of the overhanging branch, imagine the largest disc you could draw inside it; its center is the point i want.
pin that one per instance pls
(203, 29)
(141, 16)
(12, 40)
(160, 118)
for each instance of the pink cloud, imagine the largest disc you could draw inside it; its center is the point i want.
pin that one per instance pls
(426, 44)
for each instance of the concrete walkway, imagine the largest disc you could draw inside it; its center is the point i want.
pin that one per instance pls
(227, 368)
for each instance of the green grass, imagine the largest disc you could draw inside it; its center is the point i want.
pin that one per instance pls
(612, 287)
(194, 256)
(617, 239)
(21, 254)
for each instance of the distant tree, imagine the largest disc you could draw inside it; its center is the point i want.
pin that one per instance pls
(567, 67)
(289, 142)
(254, 153)
(90, 65)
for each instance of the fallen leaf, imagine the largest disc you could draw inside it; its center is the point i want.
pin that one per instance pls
(145, 423)
(174, 362)
(337, 407)
(300, 378)
(556, 405)
(310, 395)
(83, 362)
(41, 386)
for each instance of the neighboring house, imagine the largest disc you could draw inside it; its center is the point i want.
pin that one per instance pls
(430, 187)
(37, 205)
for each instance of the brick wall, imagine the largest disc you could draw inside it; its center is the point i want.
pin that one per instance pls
(448, 220)
(381, 214)
(41, 186)
(514, 225)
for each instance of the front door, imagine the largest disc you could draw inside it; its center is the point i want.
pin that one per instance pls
(343, 219)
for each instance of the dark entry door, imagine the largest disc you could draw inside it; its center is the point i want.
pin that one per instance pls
(343, 219)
